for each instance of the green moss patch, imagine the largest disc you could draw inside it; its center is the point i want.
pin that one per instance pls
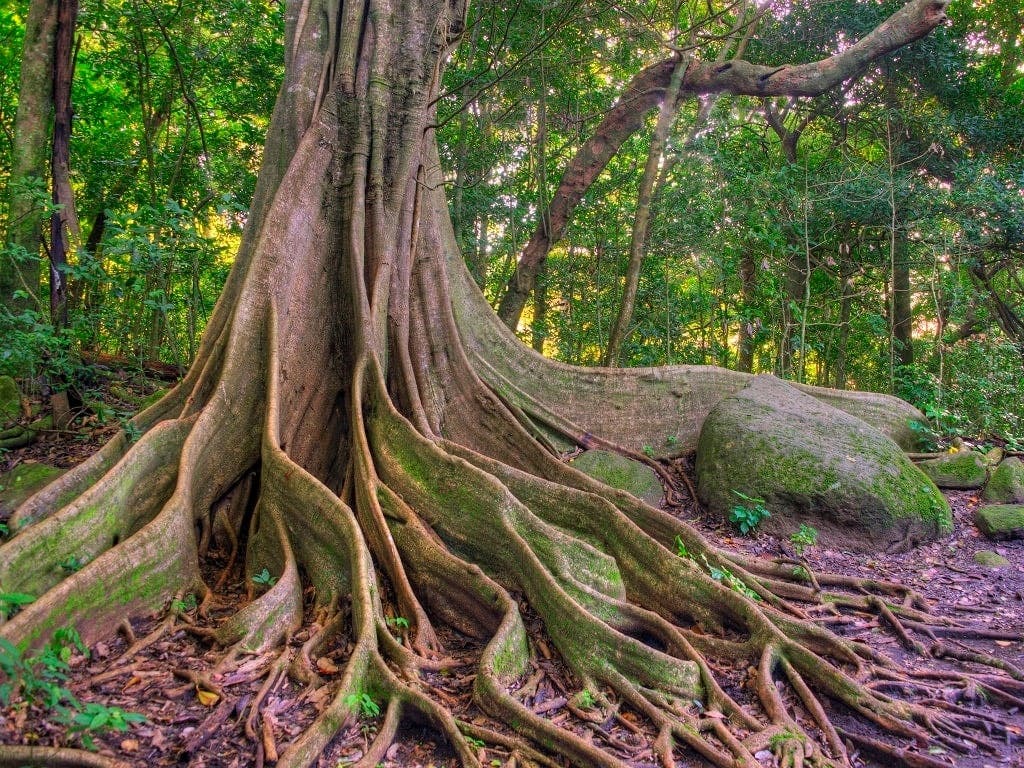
(23, 481)
(1006, 486)
(1001, 521)
(990, 559)
(812, 463)
(619, 472)
(963, 470)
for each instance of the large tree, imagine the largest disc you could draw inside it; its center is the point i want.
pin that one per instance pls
(361, 423)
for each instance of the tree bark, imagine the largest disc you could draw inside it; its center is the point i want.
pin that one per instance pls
(748, 328)
(63, 220)
(20, 265)
(902, 320)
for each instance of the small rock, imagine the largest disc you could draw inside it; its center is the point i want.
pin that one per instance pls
(619, 472)
(1001, 521)
(1006, 486)
(963, 470)
(990, 559)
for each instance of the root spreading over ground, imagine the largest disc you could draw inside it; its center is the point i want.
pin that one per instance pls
(361, 428)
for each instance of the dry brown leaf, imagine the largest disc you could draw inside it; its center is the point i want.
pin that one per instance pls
(206, 698)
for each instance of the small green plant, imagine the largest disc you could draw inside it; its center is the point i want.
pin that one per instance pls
(681, 549)
(804, 538)
(399, 622)
(93, 719)
(131, 431)
(71, 564)
(672, 441)
(11, 603)
(363, 704)
(799, 572)
(4, 530)
(184, 605)
(648, 451)
(585, 699)
(38, 681)
(748, 514)
(476, 743)
(731, 580)
(263, 578)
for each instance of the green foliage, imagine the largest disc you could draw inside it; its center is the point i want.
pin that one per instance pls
(363, 704)
(185, 604)
(131, 430)
(681, 549)
(731, 580)
(748, 514)
(263, 578)
(11, 602)
(71, 564)
(39, 682)
(399, 622)
(803, 538)
(585, 699)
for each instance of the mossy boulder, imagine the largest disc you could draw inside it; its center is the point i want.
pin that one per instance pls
(990, 559)
(23, 481)
(815, 464)
(1006, 486)
(10, 400)
(620, 472)
(963, 470)
(1001, 521)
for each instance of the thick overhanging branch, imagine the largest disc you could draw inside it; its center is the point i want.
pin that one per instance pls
(736, 77)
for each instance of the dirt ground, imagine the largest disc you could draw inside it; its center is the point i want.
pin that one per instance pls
(198, 713)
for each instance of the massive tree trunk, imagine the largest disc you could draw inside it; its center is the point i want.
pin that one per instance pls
(399, 446)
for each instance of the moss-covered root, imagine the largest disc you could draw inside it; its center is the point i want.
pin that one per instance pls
(12, 756)
(122, 501)
(138, 576)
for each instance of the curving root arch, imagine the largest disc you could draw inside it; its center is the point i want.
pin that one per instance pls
(359, 422)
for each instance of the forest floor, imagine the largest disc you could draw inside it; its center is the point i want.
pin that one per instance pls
(197, 715)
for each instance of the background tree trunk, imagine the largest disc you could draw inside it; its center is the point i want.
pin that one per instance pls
(20, 270)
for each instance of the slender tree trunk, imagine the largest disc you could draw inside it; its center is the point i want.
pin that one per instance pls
(748, 328)
(63, 221)
(845, 308)
(20, 262)
(641, 223)
(902, 321)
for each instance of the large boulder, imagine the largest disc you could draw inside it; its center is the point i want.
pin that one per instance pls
(1001, 521)
(963, 470)
(812, 463)
(619, 472)
(1006, 486)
